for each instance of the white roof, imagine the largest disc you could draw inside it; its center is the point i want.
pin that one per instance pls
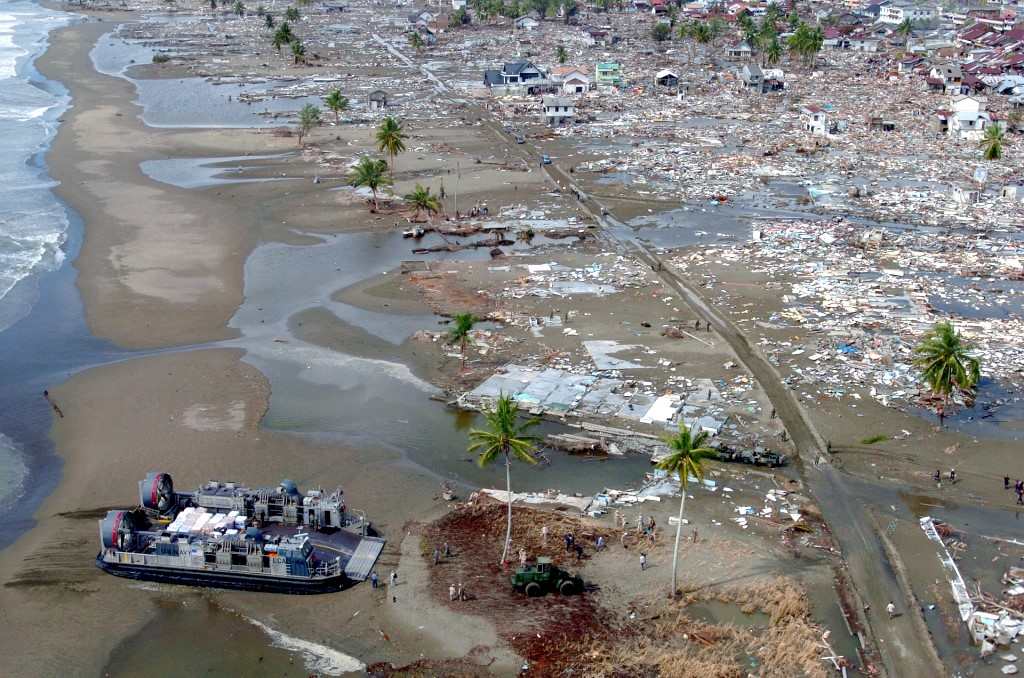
(663, 72)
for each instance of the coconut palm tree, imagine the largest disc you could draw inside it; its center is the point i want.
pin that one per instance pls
(298, 51)
(992, 142)
(504, 437)
(773, 53)
(238, 8)
(415, 41)
(686, 456)
(291, 14)
(423, 201)
(371, 173)
(561, 54)
(703, 33)
(282, 36)
(460, 332)
(309, 117)
(905, 29)
(337, 103)
(391, 139)
(946, 364)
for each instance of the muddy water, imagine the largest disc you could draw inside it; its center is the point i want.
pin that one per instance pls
(220, 643)
(384, 404)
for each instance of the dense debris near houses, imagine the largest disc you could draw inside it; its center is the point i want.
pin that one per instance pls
(863, 298)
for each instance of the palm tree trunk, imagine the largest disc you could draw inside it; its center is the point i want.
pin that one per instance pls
(508, 491)
(679, 530)
(464, 360)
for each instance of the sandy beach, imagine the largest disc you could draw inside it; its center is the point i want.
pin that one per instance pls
(162, 269)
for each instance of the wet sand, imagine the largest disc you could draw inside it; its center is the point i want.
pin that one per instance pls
(163, 267)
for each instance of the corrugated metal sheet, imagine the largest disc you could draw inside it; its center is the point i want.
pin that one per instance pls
(364, 558)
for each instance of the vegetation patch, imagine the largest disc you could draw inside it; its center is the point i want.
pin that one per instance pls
(871, 440)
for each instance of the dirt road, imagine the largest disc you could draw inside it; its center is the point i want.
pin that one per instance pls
(904, 647)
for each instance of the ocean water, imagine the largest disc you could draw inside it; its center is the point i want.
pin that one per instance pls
(33, 223)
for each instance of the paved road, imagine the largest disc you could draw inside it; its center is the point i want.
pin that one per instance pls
(906, 650)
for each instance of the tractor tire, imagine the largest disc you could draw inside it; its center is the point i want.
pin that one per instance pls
(533, 590)
(567, 587)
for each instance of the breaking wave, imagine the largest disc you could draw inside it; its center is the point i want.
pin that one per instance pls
(317, 658)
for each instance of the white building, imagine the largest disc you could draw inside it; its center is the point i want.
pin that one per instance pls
(814, 120)
(969, 117)
(458, 4)
(897, 13)
(571, 80)
(558, 110)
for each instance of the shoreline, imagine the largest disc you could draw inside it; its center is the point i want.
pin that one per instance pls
(103, 449)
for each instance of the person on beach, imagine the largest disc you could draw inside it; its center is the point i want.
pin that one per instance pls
(643, 562)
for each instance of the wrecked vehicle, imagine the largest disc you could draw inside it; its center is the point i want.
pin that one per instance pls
(756, 457)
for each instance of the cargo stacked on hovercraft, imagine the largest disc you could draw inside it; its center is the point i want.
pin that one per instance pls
(230, 536)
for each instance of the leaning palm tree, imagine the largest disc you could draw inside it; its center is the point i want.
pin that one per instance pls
(309, 117)
(946, 363)
(337, 103)
(423, 201)
(686, 456)
(391, 138)
(505, 436)
(992, 142)
(371, 173)
(460, 332)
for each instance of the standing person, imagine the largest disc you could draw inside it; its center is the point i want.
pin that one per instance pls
(579, 552)
(891, 609)
(1006, 482)
(938, 478)
(600, 543)
(451, 592)
(522, 556)
(643, 562)
(447, 550)
(640, 523)
(437, 556)
(952, 476)
(373, 579)
(544, 536)
(394, 578)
